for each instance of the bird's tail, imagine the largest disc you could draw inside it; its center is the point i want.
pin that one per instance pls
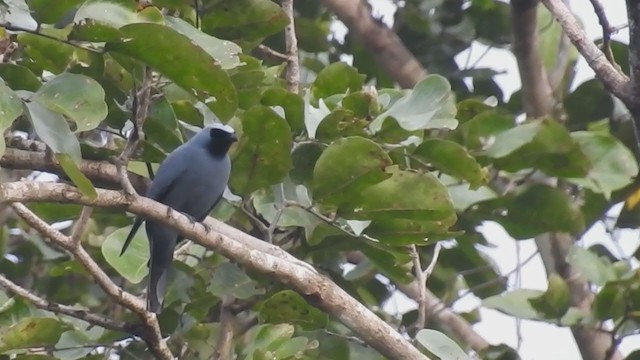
(160, 261)
(157, 287)
(134, 229)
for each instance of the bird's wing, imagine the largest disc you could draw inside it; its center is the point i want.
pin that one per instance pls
(162, 184)
(134, 229)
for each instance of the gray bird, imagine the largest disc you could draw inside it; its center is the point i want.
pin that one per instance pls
(191, 180)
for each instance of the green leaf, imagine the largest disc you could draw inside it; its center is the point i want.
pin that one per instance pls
(53, 129)
(595, 268)
(263, 155)
(303, 159)
(45, 11)
(587, 103)
(337, 78)
(115, 13)
(515, 303)
(79, 180)
(78, 97)
(540, 209)
(478, 132)
(610, 301)
(556, 301)
(94, 31)
(161, 126)
(346, 167)
(430, 105)
(44, 53)
(11, 107)
(289, 307)
(249, 20)
(29, 333)
(225, 52)
(427, 200)
(544, 144)
(292, 104)
(452, 159)
(132, 265)
(229, 279)
(613, 165)
(440, 345)
(163, 48)
(19, 77)
(340, 123)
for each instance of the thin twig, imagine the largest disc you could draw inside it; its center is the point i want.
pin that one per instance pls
(422, 289)
(43, 304)
(279, 203)
(81, 224)
(12, 27)
(141, 103)
(267, 51)
(606, 30)
(291, 41)
(254, 219)
(434, 260)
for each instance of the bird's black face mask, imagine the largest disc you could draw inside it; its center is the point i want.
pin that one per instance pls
(222, 137)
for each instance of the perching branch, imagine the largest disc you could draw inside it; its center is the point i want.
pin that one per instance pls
(383, 44)
(233, 244)
(151, 329)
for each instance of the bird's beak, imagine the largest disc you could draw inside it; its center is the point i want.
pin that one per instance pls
(234, 138)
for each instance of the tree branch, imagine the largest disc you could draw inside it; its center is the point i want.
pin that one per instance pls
(151, 333)
(535, 86)
(224, 345)
(383, 43)
(315, 288)
(291, 41)
(100, 173)
(81, 224)
(81, 314)
(616, 82)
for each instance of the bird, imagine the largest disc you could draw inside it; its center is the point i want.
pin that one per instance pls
(192, 180)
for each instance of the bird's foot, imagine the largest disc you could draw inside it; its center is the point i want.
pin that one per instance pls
(192, 220)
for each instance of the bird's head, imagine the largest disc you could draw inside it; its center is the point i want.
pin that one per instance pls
(222, 137)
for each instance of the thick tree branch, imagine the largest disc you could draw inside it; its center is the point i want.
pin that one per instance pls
(535, 86)
(383, 43)
(151, 333)
(317, 289)
(616, 82)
